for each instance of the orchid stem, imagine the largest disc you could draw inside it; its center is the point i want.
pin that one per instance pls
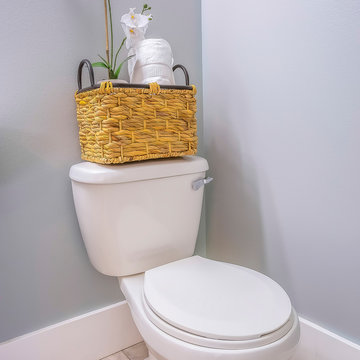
(111, 35)
(107, 35)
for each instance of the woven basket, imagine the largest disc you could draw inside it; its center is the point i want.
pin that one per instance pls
(125, 122)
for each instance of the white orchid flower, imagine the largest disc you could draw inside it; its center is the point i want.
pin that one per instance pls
(134, 26)
(132, 16)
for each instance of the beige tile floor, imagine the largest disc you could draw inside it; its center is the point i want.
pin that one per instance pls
(135, 352)
(140, 352)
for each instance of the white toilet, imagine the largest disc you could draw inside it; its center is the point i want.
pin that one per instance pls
(139, 222)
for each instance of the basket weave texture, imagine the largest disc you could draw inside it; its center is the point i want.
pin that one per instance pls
(118, 124)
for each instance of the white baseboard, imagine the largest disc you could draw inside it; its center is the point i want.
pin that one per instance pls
(99, 333)
(91, 336)
(317, 343)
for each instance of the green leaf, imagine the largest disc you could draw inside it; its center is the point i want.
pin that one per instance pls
(105, 62)
(112, 75)
(117, 72)
(117, 53)
(99, 64)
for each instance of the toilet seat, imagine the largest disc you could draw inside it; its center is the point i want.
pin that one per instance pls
(162, 345)
(218, 344)
(215, 304)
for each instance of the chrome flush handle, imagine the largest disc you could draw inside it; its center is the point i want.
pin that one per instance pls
(197, 184)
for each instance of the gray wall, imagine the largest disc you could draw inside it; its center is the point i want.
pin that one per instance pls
(282, 135)
(45, 276)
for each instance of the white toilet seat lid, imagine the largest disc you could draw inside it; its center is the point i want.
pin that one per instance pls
(215, 299)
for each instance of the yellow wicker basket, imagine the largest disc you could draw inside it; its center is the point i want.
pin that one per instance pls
(125, 122)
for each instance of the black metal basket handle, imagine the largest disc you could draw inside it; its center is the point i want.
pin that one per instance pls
(183, 68)
(91, 73)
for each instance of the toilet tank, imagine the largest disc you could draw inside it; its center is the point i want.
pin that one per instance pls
(136, 216)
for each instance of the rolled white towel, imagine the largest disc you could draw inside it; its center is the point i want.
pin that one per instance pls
(145, 74)
(153, 61)
(154, 51)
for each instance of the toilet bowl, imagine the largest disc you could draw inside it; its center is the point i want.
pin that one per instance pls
(139, 223)
(169, 317)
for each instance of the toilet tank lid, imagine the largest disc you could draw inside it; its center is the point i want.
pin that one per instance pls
(91, 173)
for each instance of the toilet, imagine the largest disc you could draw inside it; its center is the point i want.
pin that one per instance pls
(139, 222)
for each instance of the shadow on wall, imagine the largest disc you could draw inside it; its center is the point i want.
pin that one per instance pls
(234, 231)
(236, 227)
